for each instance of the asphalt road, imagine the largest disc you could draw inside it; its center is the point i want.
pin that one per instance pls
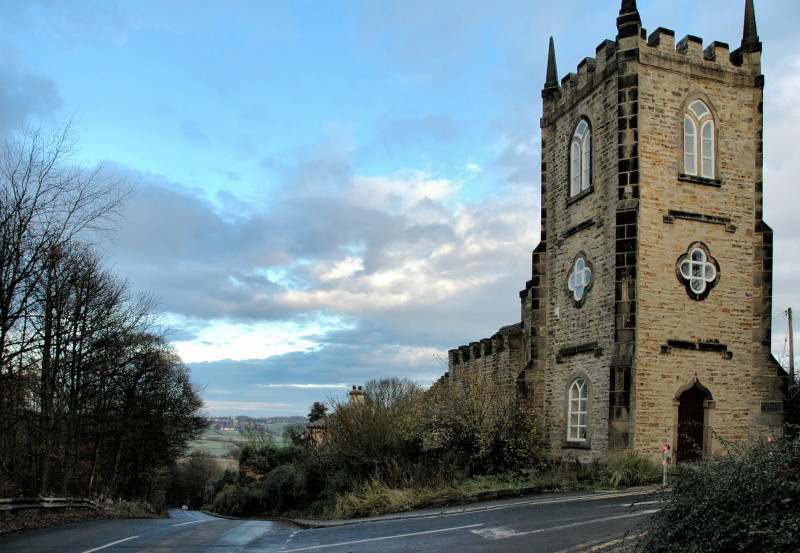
(558, 523)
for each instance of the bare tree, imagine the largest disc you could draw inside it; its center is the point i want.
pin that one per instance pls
(91, 395)
(45, 201)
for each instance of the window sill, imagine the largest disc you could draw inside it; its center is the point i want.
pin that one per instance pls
(580, 195)
(700, 180)
(576, 445)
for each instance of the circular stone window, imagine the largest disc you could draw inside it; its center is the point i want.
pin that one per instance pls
(579, 280)
(698, 271)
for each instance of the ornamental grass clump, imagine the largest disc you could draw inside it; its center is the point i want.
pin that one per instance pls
(633, 470)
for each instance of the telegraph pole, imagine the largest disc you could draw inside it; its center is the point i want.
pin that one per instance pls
(791, 348)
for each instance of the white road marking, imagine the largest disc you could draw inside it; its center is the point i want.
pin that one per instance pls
(593, 497)
(192, 522)
(110, 544)
(497, 533)
(539, 501)
(382, 538)
(502, 533)
(290, 538)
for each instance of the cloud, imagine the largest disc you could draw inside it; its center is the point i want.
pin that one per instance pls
(304, 386)
(342, 275)
(192, 132)
(24, 96)
(781, 167)
(329, 242)
(108, 22)
(245, 408)
(360, 242)
(297, 379)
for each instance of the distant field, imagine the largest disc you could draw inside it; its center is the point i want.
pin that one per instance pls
(217, 443)
(275, 428)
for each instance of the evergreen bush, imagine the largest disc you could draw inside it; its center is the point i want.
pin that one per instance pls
(747, 500)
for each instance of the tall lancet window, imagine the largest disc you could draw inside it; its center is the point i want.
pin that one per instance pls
(698, 141)
(577, 411)
(580, 168)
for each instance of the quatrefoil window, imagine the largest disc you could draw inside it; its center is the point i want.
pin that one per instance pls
(698, 271)
(580, 279)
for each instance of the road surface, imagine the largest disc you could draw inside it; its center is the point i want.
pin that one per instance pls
(557, 523)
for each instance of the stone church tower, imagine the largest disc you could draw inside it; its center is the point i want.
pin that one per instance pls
(647, 319)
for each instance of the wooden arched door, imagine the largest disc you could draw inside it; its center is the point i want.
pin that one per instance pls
(691, 424)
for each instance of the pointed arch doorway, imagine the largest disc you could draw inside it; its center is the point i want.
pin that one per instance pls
(692, 422)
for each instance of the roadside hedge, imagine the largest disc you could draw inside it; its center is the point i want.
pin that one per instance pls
(747, 500)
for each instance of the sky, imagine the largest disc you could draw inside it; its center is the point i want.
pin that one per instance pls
(327, 192)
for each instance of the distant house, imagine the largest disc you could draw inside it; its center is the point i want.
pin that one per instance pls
(316, 430)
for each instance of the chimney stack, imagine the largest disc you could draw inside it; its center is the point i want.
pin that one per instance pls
(356, 396)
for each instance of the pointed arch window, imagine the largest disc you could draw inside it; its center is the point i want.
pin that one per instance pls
(577, 411)
(699, 148)
(580, 166)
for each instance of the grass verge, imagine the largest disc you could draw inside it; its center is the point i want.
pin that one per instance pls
(375, 498)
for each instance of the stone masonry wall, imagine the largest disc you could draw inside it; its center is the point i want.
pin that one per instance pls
(580, 339)
(500, 356)
(680, 339)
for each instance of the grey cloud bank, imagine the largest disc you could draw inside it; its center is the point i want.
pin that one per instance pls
(396, 223)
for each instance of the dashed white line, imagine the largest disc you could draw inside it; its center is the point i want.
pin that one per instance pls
(186, 523)
(110, 544)
(381, 538)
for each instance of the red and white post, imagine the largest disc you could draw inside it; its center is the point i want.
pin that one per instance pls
(665, 464)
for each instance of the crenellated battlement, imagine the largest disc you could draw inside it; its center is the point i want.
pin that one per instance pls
(690, 48)
(499, 342)
(663, 39)
(589, 73)
(717, 51)
(498, 355)
(633, 44)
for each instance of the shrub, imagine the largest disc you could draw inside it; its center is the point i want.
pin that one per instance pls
(366, 438)
(268, 480)
(482, 421)
(633, 470)
(228, 477)
(229, 500)
(317, 467)
(192, 480)
(747, 500)
(393, 449)
(281, 488)
(260, 455)
(295, 434)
